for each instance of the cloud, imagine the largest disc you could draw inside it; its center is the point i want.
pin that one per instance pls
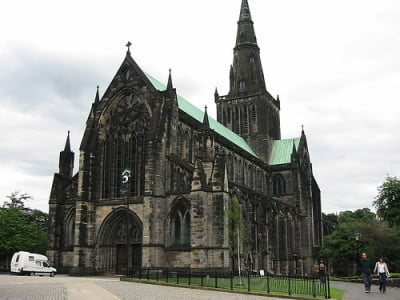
(334, 64)
(41, 97)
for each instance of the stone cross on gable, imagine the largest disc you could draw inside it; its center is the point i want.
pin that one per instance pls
(128, 45)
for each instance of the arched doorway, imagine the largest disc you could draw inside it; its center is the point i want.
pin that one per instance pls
(113, 254)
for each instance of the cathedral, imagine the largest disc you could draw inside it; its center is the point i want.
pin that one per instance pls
(198, 193)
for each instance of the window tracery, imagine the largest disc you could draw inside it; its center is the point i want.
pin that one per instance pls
(278, 185)
(122, 131)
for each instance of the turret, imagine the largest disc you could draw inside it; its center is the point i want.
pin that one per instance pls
(66, 162)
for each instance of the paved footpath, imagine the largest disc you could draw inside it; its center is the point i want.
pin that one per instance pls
(61, 287)
(355, 291)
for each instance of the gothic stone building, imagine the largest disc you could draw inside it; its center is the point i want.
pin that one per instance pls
(188, 173)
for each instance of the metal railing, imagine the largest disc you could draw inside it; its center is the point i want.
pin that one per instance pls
(312, 286)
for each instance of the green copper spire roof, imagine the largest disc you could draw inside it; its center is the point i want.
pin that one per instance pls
(282, 151)
(197, 114)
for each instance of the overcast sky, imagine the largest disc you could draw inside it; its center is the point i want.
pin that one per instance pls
(335, 65)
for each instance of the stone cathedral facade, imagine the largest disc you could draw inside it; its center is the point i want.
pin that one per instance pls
(188, 171)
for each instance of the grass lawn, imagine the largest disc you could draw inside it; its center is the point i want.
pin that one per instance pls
(337, 294)
(272, 285)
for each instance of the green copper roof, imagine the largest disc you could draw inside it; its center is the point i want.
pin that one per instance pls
(282, 151)
(198, 114)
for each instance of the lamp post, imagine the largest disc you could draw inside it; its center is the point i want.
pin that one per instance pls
(357, 236)
(126, 181)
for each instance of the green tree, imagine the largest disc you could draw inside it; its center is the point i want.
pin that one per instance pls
(17, 233)
(22, 228)
(358, 215)
(377, 239)
(235, 217)
(387, 202)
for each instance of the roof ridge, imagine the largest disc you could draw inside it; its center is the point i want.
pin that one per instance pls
(288, 139)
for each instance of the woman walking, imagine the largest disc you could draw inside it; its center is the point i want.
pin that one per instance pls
(383, 272)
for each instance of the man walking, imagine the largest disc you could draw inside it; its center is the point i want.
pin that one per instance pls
(321, 272)
(366, 268)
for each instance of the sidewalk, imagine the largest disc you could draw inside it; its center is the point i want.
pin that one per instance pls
(355, 291)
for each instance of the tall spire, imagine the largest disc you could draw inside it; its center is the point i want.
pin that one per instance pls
(67, 147)
(246, 33)
(246, 74)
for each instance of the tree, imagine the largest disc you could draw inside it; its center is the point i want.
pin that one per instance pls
(17, 201)
(387, 202)
(377, 239)
(234, 213)
(17, 233)
(22, 228)
(362, 214)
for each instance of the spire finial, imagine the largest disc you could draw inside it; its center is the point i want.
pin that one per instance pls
(97, 97)
(169, 84)
(302, 129)
(294, 150)
(206, 122)
(128, 45)
(67, 147)
(216, 95)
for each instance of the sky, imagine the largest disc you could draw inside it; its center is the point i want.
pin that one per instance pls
(334, 63)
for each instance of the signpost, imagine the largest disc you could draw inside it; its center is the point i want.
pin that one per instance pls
(126, 182)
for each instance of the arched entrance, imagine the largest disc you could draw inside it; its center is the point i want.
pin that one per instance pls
(113, 254)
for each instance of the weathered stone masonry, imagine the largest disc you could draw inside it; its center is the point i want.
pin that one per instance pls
(187, 168)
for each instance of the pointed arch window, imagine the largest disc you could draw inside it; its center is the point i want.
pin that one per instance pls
(245, 120)
(242, 85)
(278, 185)
(120, 153)
(253, 113)
(69, 230)
(237, 120)
(180, 225)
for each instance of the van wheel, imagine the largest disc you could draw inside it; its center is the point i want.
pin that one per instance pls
(52, 274)
(32, 274)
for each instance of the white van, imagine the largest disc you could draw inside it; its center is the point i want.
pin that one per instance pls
(31, 264)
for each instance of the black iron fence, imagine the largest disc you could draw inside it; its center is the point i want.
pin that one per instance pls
(311, 286)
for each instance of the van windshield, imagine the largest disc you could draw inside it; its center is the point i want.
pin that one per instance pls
(45, 265)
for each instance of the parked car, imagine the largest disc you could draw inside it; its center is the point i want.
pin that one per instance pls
(31, 264)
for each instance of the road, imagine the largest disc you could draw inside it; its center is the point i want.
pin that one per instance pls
(64, 287)
(355, 291)
(98, 288)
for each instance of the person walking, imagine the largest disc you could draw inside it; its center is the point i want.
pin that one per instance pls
(382, 270)
(321, 272)
(366, 268)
